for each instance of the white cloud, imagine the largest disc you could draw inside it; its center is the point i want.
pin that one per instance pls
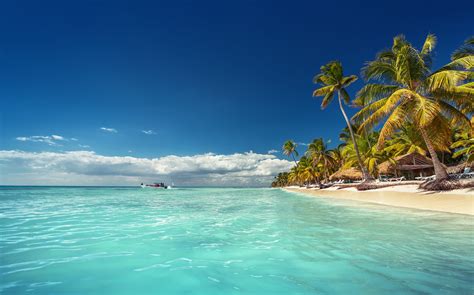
(106, 129)
(85, 146)
(87, 167)
(51, 140)
(149, 132)
(57, 137)
(273, 151)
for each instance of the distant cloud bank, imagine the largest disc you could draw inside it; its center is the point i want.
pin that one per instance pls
(89, 168)
(107, 129)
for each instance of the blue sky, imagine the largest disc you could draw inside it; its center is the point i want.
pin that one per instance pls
(204, 76)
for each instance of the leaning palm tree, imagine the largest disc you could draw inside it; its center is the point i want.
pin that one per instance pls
(410, 92)
(333, 82)
(289, 149)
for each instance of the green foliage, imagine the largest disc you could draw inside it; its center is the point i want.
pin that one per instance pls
(418, 110)
(409, 91)
(464, 146)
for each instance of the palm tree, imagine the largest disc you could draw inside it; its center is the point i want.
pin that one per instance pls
(320, 154)
(294, 176)
(308, 172)
(280, 180)
(409, 92)
(289, 149)
(333, 82)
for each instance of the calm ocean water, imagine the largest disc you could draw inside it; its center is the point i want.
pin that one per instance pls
(57, 240)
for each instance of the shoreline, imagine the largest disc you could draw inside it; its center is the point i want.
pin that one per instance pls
(408, 196)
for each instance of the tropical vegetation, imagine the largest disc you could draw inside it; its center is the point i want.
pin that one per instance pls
(406, 106)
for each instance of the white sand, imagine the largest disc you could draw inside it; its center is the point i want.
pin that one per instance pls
(409, 196)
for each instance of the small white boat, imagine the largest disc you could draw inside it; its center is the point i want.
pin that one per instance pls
(155, 185)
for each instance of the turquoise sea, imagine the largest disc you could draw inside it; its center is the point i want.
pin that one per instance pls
(63, 240)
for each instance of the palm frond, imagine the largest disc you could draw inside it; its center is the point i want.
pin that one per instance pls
(368, 110)
(384, 109)
(399, 42)
(462, 63)
(446, 79)
(394, 121)
(372, 92)
(429, 44)
(425, 110)
(465, 50)
(457, 117)
(402, 66)
(323, 90)
(379, 70)
(439, 132)
(385, 55)
(324, 80)
(327, 100)
(468, 85)
(346, 81)
(335, 70)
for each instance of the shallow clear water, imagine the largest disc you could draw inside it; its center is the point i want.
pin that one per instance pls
(225, 241)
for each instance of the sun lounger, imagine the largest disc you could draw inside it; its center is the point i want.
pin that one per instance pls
(466, 174)
(424, 178)
(394, 179)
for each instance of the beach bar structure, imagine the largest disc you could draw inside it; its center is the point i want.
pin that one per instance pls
(410, 166)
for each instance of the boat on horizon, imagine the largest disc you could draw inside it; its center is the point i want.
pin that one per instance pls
(158, 185)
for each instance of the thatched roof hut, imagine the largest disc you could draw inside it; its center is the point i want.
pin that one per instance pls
(411, 165)
(350, 174)
(459, 168)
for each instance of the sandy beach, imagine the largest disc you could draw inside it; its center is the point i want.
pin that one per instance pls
(409, 196)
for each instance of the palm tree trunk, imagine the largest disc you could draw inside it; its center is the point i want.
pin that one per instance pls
(365, 174)
(366, 135)
(293, 156)
(439, 169)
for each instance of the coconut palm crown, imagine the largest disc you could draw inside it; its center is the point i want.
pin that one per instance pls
(289, 149)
